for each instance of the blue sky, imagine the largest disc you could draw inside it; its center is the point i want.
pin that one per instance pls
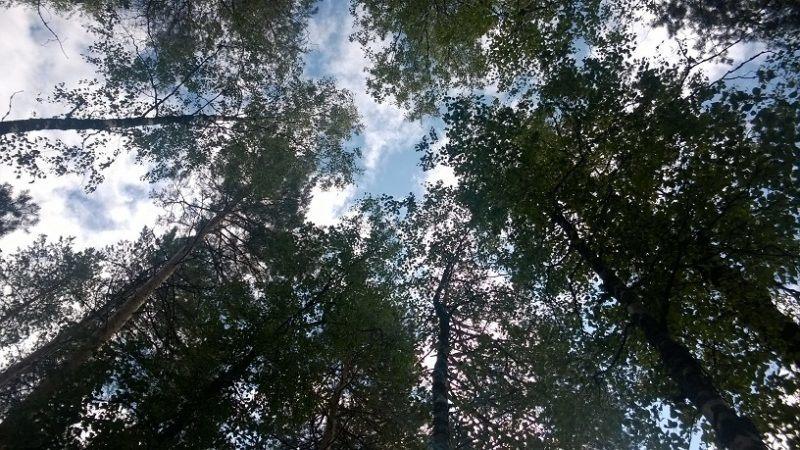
(390, 164)
(120, 207)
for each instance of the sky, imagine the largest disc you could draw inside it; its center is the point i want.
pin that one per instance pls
(120, 207)
(33, 63)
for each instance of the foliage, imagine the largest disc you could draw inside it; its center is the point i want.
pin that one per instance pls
(433, 47)
(196, 66)
(667, 186)
(474, 316)
(16, 211)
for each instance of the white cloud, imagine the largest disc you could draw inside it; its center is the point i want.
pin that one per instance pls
(35, 62)
(441, 173)
(386, 128)
(328, 206)
(119, 208)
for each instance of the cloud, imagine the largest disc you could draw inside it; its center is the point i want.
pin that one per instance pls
(120, 207)
(89, 211)
(441, 173)
(328, 206)
(386, 128)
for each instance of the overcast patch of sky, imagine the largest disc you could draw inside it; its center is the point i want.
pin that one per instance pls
(34, 63)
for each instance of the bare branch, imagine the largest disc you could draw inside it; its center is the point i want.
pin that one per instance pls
(10, 99)
(46, 25)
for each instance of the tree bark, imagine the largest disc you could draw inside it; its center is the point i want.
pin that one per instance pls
(26, 411)
(332, 411)
(440, 390)
(68, 123)
(732, 431)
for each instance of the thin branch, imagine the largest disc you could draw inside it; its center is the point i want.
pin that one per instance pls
(10, 99)
(46, 25)
(617, 354)
(742, 64)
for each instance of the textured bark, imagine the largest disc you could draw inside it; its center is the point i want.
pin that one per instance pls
(26, 411)
(67, 123)
(440, 438)
(732, 431)
(332, 411)
(756, 310)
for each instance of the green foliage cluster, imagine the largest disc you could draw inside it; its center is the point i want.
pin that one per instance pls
(16, 211)
(616, 265)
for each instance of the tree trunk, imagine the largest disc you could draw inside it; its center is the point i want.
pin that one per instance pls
(732, 431)
(332, 411)
(72, 335)
(440, 438)
(27, 364)
(26, 411)
(68, 123)
(755, 308)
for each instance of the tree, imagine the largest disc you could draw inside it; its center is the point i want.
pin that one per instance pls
(615, 267)
(595, 110)
(511, 48)
(308, 150)
(310, 348)
(602, 162)
(503, 357)
(16, 211)
(772, 21)
(338, 371)
(174, 76)
(434, 47)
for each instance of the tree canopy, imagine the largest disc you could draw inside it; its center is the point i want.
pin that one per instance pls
(615, 263)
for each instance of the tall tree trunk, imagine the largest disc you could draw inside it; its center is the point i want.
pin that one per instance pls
(332, 410)
(440, 390)
(732, 431)
(755, 308)
(68, 123)
(72, 334)
(26, 411)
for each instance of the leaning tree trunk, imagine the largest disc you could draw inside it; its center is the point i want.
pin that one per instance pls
(72, 334)
(25, 412)
(732, 431)
(68, 123)
(440, 390)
